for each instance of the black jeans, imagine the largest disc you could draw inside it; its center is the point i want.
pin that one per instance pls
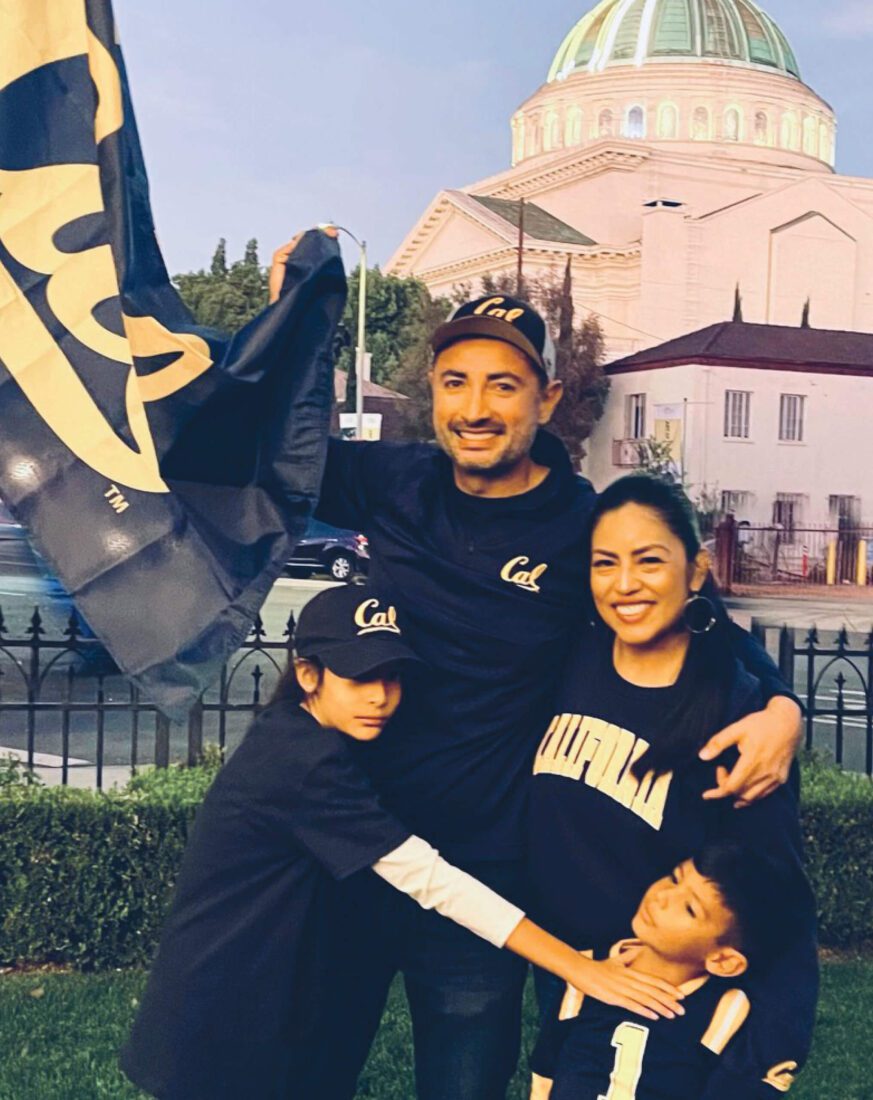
(464, 995)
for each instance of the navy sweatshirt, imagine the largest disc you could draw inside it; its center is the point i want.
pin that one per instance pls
(492, 591)
(599, 838)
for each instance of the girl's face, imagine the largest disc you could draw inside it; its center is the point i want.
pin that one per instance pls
(640, 574)
(359, 708)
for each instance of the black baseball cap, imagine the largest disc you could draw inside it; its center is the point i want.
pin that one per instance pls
(352, 629)
(499, 317)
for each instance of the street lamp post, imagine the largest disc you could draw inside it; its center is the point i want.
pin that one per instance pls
(362, 332)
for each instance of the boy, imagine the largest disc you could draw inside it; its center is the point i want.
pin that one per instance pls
(236, 988)
(701, 928)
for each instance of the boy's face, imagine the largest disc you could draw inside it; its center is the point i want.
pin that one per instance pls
(359, 708)
(683, 918)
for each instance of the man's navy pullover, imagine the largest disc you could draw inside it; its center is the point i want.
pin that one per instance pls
(492, 590)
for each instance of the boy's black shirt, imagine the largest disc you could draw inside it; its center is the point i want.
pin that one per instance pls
(237, 969)
(455, 767)
(605, 1045)
(595, 847)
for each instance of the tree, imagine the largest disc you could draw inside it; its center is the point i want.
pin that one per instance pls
(579, 352)
(218, 268)
(411, 377)
(655, 457)
(225, 298)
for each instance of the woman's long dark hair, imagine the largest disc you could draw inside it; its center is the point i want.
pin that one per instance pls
(707, 673)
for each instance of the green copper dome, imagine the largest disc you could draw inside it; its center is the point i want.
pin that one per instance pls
(634, 32)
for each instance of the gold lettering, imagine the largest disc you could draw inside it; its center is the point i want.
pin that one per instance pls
(608, 739)
(34, 205)
(39, 32)
(651, 798)
(485, 305)
(514, 314)
(104, 72)
(590, 734)
(379, 620)
(618, 781)
(523, 578)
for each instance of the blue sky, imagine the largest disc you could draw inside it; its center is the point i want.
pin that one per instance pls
(263, 116)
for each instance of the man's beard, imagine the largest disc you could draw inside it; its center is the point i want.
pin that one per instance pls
(494, 467)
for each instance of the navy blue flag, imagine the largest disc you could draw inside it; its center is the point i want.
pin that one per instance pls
(161, 469)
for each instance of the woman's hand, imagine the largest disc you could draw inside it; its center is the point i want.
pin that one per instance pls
(767, 741)
(280, 258)
(612, 982)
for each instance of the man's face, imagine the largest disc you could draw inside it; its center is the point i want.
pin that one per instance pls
(488, 402)
(683, 917)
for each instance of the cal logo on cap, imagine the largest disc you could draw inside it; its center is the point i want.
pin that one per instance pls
(491, 308)
(369, 620)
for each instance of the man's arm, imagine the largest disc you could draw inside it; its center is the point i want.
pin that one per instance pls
(767, 740)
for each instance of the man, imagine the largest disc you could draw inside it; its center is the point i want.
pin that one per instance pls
(481, 539)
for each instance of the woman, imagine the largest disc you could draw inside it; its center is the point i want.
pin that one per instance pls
(617, 788)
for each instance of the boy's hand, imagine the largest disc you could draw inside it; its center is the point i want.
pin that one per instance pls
(767, 741)
(613, 983)
(280, 258)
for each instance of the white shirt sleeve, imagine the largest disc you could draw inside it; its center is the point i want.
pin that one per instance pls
(419, 870)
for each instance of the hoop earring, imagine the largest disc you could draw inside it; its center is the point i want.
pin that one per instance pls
(699, 614)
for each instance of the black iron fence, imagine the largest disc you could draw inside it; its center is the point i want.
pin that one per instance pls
(832, 674)
(65, 706)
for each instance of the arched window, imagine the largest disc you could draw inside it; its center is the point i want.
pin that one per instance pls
(732, 124)
(700, 126)
(668, 121)
(810, 137)
(573, 127)
(534, 135)
(762, 128)
(552, 132)
(634, 123)
(788, 137)
(518, 144)
(825, 151)
(605, 123)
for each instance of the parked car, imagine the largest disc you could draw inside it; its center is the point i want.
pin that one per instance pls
(332, 550)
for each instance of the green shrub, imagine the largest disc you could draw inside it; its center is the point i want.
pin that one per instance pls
(85, 878)
(837, 819)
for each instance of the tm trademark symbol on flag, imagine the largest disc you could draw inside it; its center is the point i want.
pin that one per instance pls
(117, 499)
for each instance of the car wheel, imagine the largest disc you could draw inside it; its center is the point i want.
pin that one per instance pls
(341, 567)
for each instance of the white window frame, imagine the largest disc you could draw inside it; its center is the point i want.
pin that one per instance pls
(788, 506)
(635, 416)
(738, 414)
(792, 417)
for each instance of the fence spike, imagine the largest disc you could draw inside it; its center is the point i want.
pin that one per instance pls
(290, 626)
(72, 628)
(36, 627)
(812, 636)
(258, 630)
(842, 639)
(2, 622)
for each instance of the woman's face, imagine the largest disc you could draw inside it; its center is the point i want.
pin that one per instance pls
(640, 574)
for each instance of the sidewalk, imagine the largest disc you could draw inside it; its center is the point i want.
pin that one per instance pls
(825, 608)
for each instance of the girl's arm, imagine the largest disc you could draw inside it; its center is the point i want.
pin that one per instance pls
(418, 870)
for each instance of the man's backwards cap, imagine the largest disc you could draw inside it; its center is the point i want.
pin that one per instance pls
(500, 317)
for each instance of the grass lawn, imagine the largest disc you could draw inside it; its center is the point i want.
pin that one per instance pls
(59, 1034)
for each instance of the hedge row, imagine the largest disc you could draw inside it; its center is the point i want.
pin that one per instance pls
(85, 878)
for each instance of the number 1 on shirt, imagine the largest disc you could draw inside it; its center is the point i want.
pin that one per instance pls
(629, 1041)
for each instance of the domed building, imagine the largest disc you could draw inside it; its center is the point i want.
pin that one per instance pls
(676, 157)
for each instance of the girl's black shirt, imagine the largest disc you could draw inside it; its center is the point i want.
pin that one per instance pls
(599, 837)
(234, 988)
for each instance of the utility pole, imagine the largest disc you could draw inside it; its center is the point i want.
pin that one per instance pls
(519, 282)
